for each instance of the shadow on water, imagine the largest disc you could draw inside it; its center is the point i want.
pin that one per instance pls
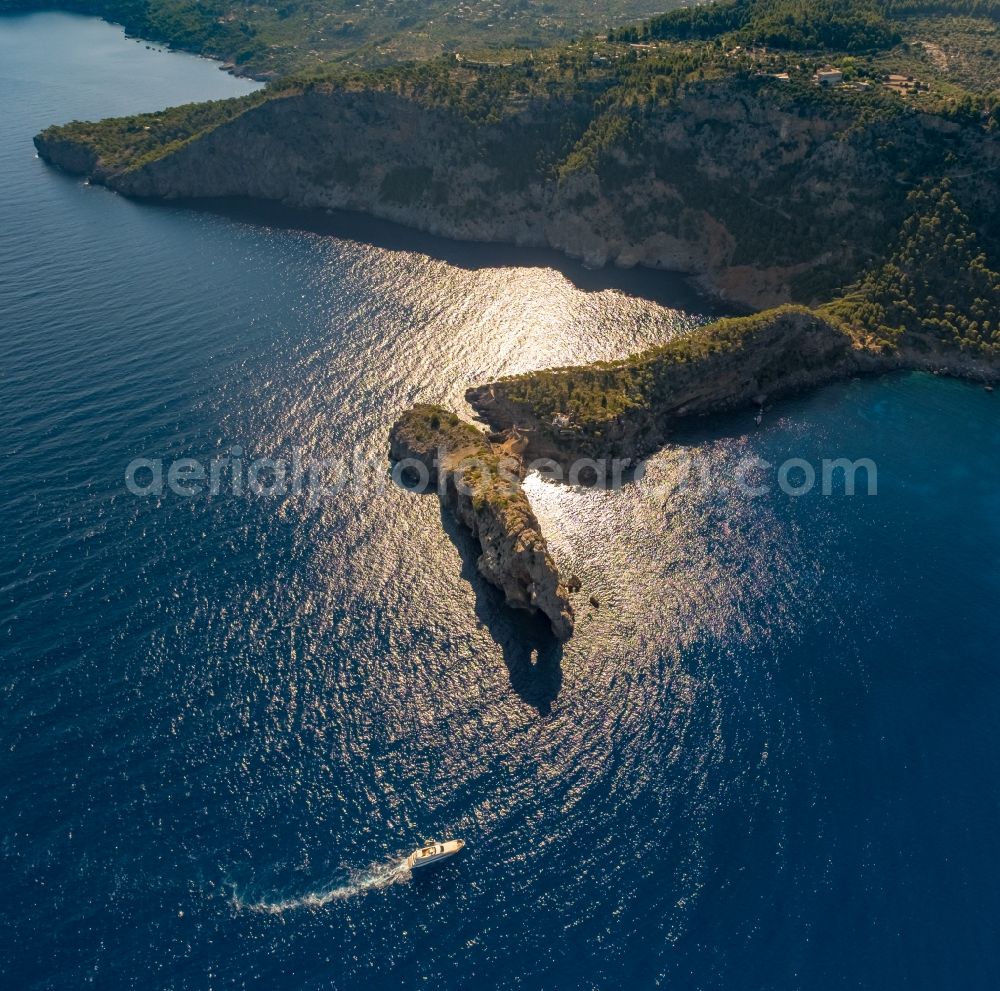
(532, 654)
(740, 424)
(670, 289)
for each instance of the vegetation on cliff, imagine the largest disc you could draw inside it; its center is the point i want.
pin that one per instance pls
(834, 25)
(729, 162)
(432, 434)
(936, 289)
(445, 443)
(119, 143)
(839, 25)
(588, 408)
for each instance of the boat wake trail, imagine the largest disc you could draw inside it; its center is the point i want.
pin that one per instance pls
(378, 876)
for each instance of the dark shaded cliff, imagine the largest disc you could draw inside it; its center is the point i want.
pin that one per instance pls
(764, 191)
(628, 409)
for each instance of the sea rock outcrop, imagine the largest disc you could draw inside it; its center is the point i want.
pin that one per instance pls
(480, 483)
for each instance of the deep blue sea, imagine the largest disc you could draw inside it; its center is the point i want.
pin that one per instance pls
(767, 761)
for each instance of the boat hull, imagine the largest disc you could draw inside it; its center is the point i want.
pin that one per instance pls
(433, 854)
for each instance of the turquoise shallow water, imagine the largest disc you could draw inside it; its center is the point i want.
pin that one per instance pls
(768, 761)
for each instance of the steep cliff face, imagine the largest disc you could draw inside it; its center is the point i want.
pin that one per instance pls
(482, 487)
(70, 155)
(628, 409)
(744, 185)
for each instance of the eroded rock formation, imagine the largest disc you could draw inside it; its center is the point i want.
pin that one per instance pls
(481, 484)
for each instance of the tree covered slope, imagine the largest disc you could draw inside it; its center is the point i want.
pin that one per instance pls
(274, 38)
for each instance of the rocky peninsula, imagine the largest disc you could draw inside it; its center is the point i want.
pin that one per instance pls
(628, 409)
(594, 415)
(479, 481)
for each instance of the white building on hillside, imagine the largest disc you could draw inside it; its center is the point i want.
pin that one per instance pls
(829, 76)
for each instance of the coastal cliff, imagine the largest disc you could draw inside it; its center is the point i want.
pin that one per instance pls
(735, 181)
(480, 484)
(628, 409)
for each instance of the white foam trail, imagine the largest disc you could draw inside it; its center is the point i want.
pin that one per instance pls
(378, 876)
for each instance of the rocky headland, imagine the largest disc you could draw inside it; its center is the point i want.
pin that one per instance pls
(585, 418)
(630, 408)
(480, 483)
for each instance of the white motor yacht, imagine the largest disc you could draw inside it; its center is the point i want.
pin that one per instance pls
(432, 852)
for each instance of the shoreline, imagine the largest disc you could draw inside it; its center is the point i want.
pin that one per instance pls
(668, 288)
(223, 63)
(696, 289)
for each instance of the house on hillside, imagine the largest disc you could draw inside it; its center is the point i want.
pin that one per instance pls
(829, 76)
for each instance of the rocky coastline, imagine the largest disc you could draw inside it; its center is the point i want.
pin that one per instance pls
(627, 410)
(693, 197)
(479, 482)
(699, 194)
